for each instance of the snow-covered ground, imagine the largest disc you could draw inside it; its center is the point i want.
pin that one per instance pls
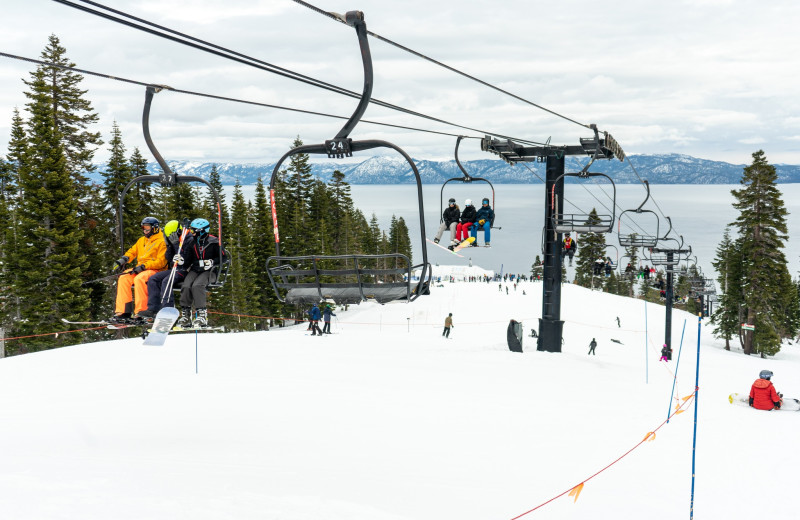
(386, 420)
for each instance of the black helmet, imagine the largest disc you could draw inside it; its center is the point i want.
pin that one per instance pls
(485, 201)
(566, 234)
(451, 201)
(153, 223)
(765, 374)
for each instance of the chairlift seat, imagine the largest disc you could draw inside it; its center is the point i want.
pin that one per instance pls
(580, 224)
(345, 279)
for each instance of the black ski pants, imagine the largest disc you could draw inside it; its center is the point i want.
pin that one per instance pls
(193, 290)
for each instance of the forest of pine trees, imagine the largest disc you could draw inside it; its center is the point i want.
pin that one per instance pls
(61, 229)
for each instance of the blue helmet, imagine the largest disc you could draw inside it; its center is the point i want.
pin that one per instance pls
(765, 374)
(200, 226)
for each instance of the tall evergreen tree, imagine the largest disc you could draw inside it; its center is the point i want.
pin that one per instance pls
(50, 257)
(762, 226)
(241, 279)
(728, 314)
(141, 191)
(72, 112)
(592, 247)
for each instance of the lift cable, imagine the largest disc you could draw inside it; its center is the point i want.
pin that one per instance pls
(178, 37)
(443, 65)
(214, 96)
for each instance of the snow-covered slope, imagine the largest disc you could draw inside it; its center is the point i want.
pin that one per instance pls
(385, 419)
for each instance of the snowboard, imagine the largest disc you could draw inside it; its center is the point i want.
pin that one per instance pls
(789, 404)
(466, 243)
(162, 324)
(448, 250)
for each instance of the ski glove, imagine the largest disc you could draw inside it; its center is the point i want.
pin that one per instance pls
(119, 263)
(178, 259)
(174, 238)
(751, 401)
(139, 268)
(207, 264)
(777, 405)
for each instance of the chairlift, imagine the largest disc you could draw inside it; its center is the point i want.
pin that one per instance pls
(168, 179)
(348, 278)
(636, 239)
(466, 179)
(582, 223)
(614, 263)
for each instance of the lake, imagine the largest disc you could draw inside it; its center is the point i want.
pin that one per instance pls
(698, 212)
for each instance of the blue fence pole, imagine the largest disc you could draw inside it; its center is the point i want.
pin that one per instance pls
(646, 369)
(675, 377)
(195, 351)
(696, 391)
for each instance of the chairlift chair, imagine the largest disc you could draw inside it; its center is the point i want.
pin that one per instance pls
(168, 179)
(636, 239)
(348, 278)
(466, 179)
(581, 223)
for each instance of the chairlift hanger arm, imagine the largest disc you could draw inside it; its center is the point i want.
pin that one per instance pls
(513, 153)
(168, 177)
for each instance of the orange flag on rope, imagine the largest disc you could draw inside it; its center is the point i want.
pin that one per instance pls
(576, 491)
(651, 436)
(687, 397)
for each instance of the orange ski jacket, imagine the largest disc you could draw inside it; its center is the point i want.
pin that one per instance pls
(149, 252)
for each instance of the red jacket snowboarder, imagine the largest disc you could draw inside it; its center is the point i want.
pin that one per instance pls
(763, 395)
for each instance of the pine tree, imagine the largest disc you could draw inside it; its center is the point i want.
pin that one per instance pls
(12, 195)
(116, 176)
(72, 113)
(593, 246)
(142, 192)
(241, 278)
(728, 316)
(293, 209)
(50, 256)
(762, 226)
(263, 243)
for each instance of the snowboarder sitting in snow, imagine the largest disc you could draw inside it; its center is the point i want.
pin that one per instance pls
(148, 252)
(467, 218)
(449, 221)
(326, 317)
(200, 259)
(484, 218)
(763, 395)
(568, 248)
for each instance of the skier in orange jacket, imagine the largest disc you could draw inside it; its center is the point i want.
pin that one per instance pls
(763, 395)
(148, 252)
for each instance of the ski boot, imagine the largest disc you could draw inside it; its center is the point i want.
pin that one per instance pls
(435, 240)
(120, 319)
(201, 320)
(185, 321)
(145, 316)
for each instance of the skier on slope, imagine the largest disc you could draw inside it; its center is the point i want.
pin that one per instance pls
(763, 395)
(148, 252)
(315, 315)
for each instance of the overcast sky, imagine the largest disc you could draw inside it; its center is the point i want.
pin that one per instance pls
(714, 79)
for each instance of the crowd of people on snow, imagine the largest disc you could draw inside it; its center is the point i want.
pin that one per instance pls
(467, 223)
(182, 255)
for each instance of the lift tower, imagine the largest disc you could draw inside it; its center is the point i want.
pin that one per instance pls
(550, 324)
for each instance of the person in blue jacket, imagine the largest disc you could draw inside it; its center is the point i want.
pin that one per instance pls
(326, 317)
(483, 219)
(315, 316)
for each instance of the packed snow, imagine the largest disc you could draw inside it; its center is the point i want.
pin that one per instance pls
(386, 420)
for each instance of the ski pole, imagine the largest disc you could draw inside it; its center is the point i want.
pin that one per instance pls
(109, 277)
(171, 278)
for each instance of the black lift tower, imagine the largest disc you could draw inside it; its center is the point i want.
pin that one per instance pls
(550, 324)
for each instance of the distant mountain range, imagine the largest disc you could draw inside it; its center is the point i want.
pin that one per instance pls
(658, 169)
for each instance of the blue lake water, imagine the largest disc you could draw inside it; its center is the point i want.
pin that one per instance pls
(698, 212)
